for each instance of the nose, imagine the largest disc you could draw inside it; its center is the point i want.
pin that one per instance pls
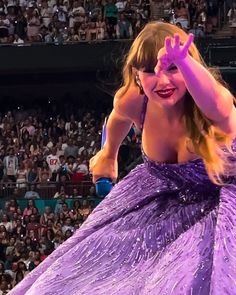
(162, 78)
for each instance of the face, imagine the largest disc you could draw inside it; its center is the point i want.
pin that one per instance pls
(30, 203)
(166, 88)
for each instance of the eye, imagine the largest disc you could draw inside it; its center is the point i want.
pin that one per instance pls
(172, 68)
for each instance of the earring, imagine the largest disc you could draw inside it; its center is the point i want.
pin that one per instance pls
(137, 81)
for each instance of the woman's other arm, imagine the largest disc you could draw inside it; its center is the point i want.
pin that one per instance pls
(126, 111)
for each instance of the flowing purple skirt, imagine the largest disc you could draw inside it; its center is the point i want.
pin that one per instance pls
(164, 229)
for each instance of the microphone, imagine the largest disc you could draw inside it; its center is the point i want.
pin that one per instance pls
(103, 185)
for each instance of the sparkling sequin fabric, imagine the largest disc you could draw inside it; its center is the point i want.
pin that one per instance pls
(164, 229)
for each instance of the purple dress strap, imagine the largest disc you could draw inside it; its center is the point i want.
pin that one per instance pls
(143, 113)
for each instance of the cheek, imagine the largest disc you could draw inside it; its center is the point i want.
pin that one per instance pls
(179, 81)
(148, 84)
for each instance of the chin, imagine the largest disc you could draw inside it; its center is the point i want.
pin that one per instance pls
(166, 102)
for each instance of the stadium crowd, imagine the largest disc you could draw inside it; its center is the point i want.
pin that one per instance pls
(39, 149)
(62, 21)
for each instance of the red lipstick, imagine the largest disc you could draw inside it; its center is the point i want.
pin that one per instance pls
(165, 93)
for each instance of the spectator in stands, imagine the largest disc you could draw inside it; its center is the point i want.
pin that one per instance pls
(10, 247)
(34, 148)
(4, 241)
(31, 193)
(85, 209)
(4, 25)
(11, 16)
(197, 30)
(29, 244)
(49, 241)
(77, 14)
(21, 176)
(19, 230)
(33, 25)
(67, 225)
(139, 24)
(53, 163)
(68, 234)
(86, 147)
(123, 28)
(26, 257)
(4, 287)
(101, 26)
(7, 223)
(46, 215)
(46, 13)
(45, 173)
(60, 202)
(69, 165)
(10, 163)
(182, 15)
(232, 19)
(47, 226)
(13, 206)
(92, 32)
(65, 210)
(75, 194)
(33, 228)
(36, 260)
(60, 11)
(92, 193)
(111, 17)
(21, 272)
(201, 17)
(59, 238)
(156, 10)
(61, 194)
(32, 174)
(71, 149)
(29, 209)
(212, 11)
(75, 214)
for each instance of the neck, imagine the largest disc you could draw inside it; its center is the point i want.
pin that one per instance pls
(173, 114)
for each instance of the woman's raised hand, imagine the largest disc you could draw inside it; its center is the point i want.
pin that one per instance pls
(172, 52)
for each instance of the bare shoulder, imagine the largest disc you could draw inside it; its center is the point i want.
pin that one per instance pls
(130, 104)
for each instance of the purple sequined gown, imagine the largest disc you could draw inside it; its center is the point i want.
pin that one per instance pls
(164, 229)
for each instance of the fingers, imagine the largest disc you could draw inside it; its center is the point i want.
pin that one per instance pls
(177, 41)
(185, 47)
(168, 44)
(188, 43)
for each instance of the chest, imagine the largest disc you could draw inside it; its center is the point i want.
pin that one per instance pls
(166, 143)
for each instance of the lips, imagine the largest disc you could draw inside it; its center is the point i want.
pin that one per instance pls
(165, 93)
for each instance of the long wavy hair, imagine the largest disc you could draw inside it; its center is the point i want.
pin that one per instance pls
(204, 139)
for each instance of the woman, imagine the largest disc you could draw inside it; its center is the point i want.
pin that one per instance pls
(232, 19)
(30, 207)
(21, 176)
(33, 26)
(182, 15)
(44, 173)
(167, 227)
(21, 272)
